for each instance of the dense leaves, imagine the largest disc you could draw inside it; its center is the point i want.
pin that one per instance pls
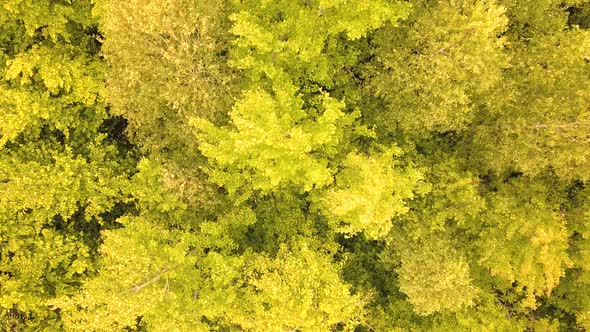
(294, 165)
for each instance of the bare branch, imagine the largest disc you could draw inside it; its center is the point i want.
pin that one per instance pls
(139, 287)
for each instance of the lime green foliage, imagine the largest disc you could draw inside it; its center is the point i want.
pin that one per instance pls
(300, 289)
(268, 149)
(43, 78)
(289, 41)
(166, 278)
(287, 137)
(139, 276)
(60, 174)
(51, 19)
(369, 192)
(572, 297)
(294, 165)
(525, 241)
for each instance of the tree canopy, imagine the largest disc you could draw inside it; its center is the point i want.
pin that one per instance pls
(295, 165)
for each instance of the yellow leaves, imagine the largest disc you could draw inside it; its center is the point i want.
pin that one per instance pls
(527, 242)
(545, 240)
(53, 83)
(53, 67)
(450, 198)
(140, 267)
(368, 193)
(300, 289)
(298, 43)
(326, 4)
(298, 166)
(245, 119)
(253, 34)
(358, 18)
(58, 189)
(40, 259)
(17, 67)
(11, 127)
(273, 141)
(228, 231)
(168, 64)
(54, 194)
(434, 275)
(51, 17)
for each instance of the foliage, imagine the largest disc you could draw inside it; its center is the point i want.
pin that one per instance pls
(368, 193)
(526, 240)
(298, 289)
(433, 70)
(433, 275)
(60, 171)
(268, 150)
(294, 165)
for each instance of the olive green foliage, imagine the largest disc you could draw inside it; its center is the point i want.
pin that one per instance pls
(434, 70)
(294, 165)
(543, 120)
(167, 65)
(433, 275)
(527, 240)
(61, 174)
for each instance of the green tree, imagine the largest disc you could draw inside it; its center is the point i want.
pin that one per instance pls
(434, 70)
(301, 165)
(539, 117)
(369, 192)
(168, 63)
(60, 171)
(433, 275)
(525, 241)
(178, 280)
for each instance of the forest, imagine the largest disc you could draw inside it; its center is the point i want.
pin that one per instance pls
(294, 165)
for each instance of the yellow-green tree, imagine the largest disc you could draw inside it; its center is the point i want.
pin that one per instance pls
(294, 165)
(61, 169)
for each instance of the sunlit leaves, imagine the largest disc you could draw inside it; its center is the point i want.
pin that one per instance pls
(301, 165)
(166, 278)
(300, 289)
(368, 193)
(273, 145)
(60, 176)
(434, 275)
(525, 240)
